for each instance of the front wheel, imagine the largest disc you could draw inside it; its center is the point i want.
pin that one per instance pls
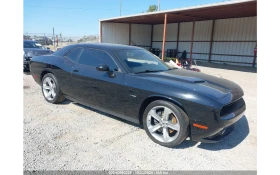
(165, 123)
(50, 89)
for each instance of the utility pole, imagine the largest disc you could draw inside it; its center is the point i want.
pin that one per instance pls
(120, 7)
(56, 41)
(53, 40)
(158, 5)
(45, 39)
(60, 39)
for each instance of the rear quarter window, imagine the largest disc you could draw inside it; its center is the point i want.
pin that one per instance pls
(63, 51)
(74, 54)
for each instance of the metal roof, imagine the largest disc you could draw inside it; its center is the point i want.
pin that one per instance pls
(221, 10)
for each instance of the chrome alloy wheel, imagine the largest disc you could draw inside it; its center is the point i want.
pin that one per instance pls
(49, 88)
(163, 124)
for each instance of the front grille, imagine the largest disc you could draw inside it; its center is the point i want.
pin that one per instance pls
(233, 107)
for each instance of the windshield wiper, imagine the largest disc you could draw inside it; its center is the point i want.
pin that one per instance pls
(148, 71)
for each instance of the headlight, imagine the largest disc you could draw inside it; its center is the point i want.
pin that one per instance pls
(30, 54)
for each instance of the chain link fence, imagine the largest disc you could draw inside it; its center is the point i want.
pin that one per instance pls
(57, 41)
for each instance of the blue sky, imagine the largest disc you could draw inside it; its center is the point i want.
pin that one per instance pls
(81, 17)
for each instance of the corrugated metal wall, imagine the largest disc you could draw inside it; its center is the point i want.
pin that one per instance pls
(201, 33)
(115, 33)
(119, 33)
(240, 39)
(171, 32)
(158, 32)
(168, 45)
(141, 35)
(171, 36)
(225, 46)
(234, 39)
(185, 31)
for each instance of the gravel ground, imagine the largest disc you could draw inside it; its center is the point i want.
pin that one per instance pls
(70, 136)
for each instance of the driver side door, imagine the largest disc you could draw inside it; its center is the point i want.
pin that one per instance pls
(96, 88)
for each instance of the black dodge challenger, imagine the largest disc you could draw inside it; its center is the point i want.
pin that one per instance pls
(131, 83)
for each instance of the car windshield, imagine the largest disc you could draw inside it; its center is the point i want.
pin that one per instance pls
(33, 45)
(141, 61)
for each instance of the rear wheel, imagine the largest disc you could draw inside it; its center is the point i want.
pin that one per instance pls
(50, 89)
(165, 123)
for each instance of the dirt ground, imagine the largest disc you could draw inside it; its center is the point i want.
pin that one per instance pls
(70, 136)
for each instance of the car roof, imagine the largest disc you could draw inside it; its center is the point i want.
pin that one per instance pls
(102, 46)
(107, 46)
(29, 41)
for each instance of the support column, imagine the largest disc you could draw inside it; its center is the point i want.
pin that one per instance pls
(100, 32)
(192, 42)
(129, 36)
(152, 35)
(255, 56)
(164, 37)
(211, 42)
(178, 33)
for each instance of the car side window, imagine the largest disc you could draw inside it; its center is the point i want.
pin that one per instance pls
(26, 45)
(74, 54)
(94, 57)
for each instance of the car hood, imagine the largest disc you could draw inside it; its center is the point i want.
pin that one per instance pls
(37, 52)
(196, 82)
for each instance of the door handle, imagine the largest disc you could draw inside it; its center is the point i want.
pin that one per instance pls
(75, 70)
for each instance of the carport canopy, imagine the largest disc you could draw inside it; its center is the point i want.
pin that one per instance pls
(222, 10)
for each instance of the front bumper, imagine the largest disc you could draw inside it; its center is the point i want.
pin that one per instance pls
(26, 65)
(217, 130)
(219, 136)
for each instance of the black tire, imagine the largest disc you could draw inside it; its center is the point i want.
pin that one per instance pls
(183, 122)
(59, 96)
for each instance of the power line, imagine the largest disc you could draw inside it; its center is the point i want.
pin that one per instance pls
(73, 8)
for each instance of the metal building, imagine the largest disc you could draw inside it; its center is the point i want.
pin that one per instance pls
(220, 33)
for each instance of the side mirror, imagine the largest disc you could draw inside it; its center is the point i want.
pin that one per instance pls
(102, 67)
(48, 48)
